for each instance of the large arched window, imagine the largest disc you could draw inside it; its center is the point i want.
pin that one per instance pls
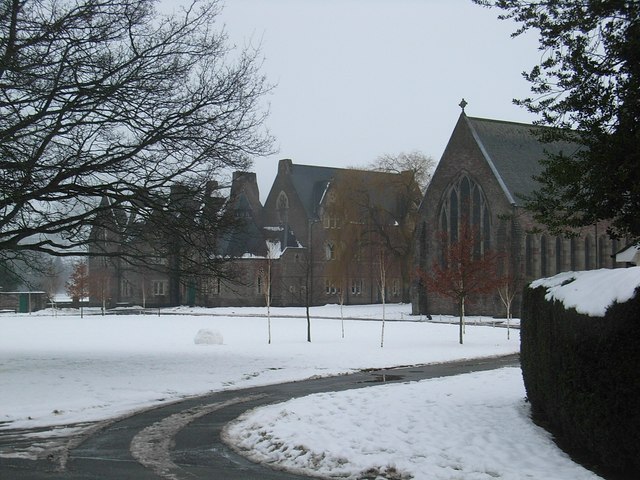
(464, 201)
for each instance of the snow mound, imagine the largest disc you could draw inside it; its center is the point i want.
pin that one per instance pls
(591, 292)
(206, 336)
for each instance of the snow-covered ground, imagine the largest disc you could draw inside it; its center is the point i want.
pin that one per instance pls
(470, 427)
(61, 369)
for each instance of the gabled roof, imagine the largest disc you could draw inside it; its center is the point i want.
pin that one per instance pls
(513, 151)
(310, 182)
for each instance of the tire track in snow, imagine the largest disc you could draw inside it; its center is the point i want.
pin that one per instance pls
(151, 447)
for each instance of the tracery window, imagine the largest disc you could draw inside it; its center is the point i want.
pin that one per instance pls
(465, 201)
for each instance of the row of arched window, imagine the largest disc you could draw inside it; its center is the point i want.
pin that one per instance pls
(558, 254)
(464, 203)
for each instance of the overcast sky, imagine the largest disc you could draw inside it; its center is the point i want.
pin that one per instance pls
(355, 79)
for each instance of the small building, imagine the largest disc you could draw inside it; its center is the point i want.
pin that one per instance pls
(23, 302)
(629, 255)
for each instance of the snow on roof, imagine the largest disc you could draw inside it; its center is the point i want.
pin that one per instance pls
(591, 292)
(273, 251)
(628, 254)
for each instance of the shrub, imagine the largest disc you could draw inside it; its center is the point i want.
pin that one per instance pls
(581, 377)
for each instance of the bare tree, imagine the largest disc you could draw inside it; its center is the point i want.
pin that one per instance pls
(507, 292)
(104, 106)
(378, 208)
(99, 285)
(345, 245)
(416, 162)
(509, 283)
(265, 275)
(382, 284)
(52, 281)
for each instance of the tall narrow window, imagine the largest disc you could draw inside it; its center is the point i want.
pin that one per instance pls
(160, 287)
(601, 252)
(543, 257)
(486, 230)
(454, 213)
(329, 251)
(528, 255)
(588, 265)
(465, 199)
(559, 256)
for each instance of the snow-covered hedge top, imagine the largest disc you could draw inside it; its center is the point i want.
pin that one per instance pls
(591, 292)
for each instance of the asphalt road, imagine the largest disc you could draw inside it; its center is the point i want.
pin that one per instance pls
(181, 441)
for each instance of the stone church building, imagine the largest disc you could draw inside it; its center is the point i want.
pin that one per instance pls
(486, 169)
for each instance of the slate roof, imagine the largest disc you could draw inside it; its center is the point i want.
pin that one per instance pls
(513, 151)
(311, 182)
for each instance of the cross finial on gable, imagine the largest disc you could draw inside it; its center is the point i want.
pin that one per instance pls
(463, 104)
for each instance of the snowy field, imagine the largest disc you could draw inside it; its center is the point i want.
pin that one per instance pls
(62, 369)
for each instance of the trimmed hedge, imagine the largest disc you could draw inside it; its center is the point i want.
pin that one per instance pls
(582, 377)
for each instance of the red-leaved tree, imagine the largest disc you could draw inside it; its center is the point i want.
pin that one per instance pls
(78, 284)
(463, 271)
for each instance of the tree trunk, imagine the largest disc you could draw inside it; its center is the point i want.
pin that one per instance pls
(405, 273)
(461, 320)
(342, 315)
(383, 320)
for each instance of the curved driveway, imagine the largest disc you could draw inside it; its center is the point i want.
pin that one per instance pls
(181, 441)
